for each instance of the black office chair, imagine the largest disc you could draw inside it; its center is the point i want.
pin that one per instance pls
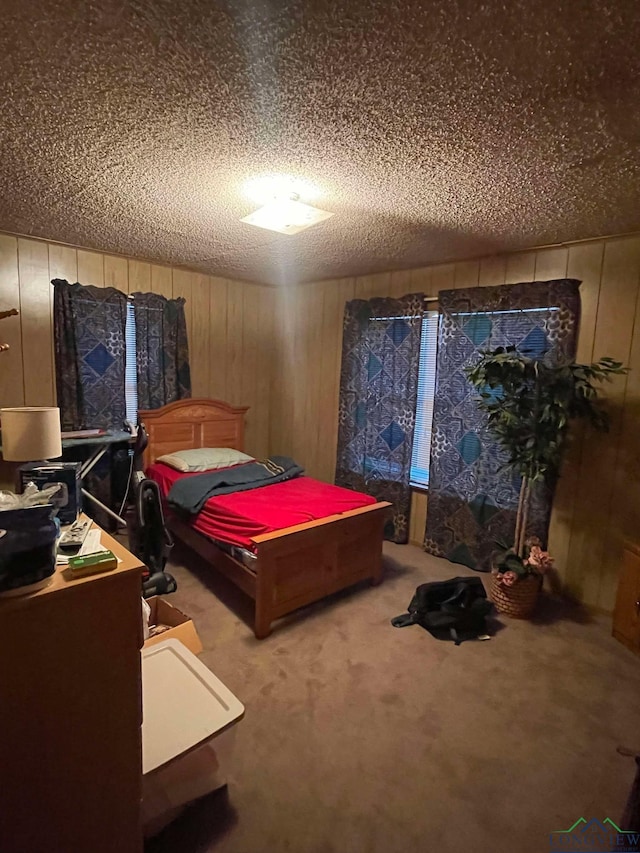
(149, 538)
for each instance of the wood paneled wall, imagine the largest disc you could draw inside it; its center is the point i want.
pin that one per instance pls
(279, 352)
(229, 323)
(598, 500)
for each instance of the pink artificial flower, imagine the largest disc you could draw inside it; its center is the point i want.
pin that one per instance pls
(539, 560)
(508, 578)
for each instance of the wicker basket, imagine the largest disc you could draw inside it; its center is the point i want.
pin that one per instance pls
(519, 600)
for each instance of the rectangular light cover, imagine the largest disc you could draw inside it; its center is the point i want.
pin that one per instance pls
(286, 216)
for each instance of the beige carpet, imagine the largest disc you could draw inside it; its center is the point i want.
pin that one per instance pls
(363, 738)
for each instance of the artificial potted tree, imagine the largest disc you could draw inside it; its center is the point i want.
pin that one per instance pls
(529, 407)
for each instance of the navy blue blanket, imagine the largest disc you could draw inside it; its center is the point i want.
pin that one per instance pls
(191, 493)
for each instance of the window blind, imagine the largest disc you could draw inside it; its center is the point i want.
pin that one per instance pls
(426, 390)
(131, 373)
(533, 344)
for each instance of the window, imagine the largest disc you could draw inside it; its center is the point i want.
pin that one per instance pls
(131, 373)
(426, 391)
(522, 327)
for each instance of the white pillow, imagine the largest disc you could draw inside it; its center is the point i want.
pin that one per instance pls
(204, 459)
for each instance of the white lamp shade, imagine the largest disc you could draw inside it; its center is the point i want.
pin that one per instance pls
(30, 433)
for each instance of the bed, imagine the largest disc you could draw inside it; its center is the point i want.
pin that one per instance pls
(293, 566)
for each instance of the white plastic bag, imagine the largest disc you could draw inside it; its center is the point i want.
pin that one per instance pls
(32, 496)
(146, 615)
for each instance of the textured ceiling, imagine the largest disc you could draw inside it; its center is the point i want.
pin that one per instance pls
(435, 130)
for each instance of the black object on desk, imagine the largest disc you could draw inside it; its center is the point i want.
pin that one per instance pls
(68, 501)
(27, 548)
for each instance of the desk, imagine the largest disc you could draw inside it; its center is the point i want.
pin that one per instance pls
(100, 445)
(70, 716)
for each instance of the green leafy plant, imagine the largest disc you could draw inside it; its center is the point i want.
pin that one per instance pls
(530, 406)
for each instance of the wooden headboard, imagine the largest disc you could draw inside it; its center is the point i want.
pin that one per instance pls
(193, 423)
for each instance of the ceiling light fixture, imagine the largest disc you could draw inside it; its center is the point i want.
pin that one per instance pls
(262, 189)
(286, 215)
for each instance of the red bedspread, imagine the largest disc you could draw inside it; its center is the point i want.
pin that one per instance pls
(235, 518)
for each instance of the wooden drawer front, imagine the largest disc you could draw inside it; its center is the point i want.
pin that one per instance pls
(626, 616)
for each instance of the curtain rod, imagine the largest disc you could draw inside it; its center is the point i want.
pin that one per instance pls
(431, 299)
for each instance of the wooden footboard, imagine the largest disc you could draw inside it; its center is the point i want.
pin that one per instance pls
(303, 564)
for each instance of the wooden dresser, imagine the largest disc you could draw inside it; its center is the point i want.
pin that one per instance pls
(626, 616)
(70, 714)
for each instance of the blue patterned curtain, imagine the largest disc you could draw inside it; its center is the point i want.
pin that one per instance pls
(472, 500)
(89, 324)
(162, 351)
(378, 393)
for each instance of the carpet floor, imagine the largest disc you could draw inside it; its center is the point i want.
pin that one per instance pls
(362, 738)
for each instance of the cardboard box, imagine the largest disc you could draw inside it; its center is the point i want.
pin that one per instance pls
(180, 626)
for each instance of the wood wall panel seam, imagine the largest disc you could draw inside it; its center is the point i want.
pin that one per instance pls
(585, 263)
(12, 371)
(591, 532)
(626, 444)
(36, 322)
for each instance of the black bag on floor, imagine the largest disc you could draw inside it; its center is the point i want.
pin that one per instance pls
(457, 607)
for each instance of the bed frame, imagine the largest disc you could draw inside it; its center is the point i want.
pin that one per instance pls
(295, 566)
